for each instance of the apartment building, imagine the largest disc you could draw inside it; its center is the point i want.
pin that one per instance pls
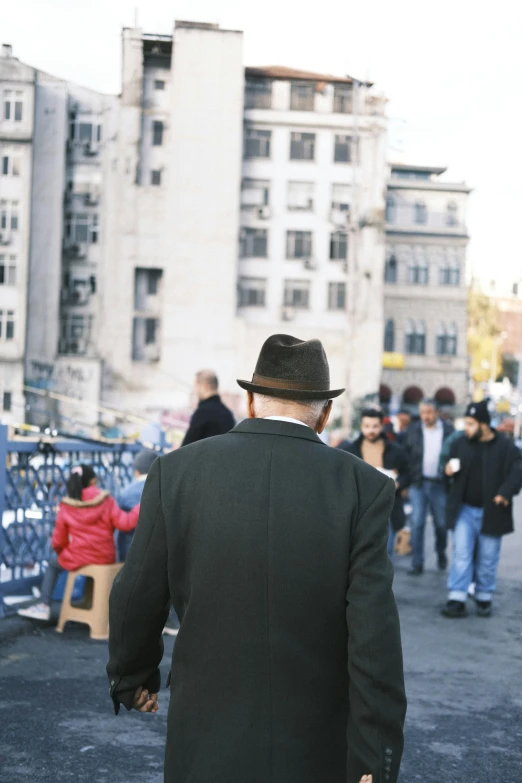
(425, 291)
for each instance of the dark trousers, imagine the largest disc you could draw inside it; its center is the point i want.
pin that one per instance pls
(428, 495)
(124, 541)
(49, 580)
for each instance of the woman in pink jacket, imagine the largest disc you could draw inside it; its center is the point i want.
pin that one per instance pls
(83, 533)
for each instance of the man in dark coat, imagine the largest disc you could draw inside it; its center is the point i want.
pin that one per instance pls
(272, 546)
(486, 474)
(423, 443)
(211, 417)
(373, 447)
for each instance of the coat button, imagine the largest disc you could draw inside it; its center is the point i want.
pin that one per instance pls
(112, 682)
(388, 751)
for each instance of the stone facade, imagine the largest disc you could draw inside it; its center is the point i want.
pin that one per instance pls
(425, 293)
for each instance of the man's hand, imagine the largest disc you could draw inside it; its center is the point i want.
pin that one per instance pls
(448, 470)
(367, 779)
(145, 701)
(498, 500)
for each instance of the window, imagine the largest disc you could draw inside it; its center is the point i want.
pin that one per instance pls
(11, 165)
(75, 336)
(7, 269)
(258, 94)
(341, 197)
(336, 296)
(389, 335)
(343, 99)
(159, 84)
(451, 214)
(446, 341)
(449, 275)
(7, 325)
(252, 292)
(254, 243)
(390, 270)
(81, 228)
(145, 340)
(391, 210)
(297, 294)
(302, 146)
(301, 196)
(86, 133)
(298, 244)
(157, 133)
(418, 273)
(420, 213)
(13, 105)
(155, 177)
(415, 337)
(342, 152)
(255, 193)
(8, 215)
(302, 97)
(339, 246)
(7, 401)
(257, 143)
(147, 283)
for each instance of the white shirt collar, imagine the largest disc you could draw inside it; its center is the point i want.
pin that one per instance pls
(287, 418)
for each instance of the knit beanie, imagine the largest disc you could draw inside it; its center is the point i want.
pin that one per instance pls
(479, 411)
(143, 461)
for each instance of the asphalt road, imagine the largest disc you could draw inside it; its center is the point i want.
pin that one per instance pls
(464, 683)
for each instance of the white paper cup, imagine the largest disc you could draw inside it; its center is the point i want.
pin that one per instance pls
(455, 464)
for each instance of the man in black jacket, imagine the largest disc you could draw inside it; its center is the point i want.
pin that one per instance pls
(374, 448)
(211, 417)
(250, 534)
(486, 473)
(423, 444)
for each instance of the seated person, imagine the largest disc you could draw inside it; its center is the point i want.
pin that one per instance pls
(83, 533)
(131, 495)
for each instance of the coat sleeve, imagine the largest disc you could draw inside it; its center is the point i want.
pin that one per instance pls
(513, 480)
(123, 520)
(376, 681)
(60, 537)
(139, 603)
(196, 430)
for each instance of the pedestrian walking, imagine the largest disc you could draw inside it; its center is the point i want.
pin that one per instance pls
(486, 473)
(211, 417)
(403, 422)
(272, 546)
(423, 443)
(373, 447)
(83, 534)
(130, 496)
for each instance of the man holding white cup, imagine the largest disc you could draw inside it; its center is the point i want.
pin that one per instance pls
(486, 473)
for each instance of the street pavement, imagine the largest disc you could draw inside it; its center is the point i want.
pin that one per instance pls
(463, 677)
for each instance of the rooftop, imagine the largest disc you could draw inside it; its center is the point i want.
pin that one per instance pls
(281, 72)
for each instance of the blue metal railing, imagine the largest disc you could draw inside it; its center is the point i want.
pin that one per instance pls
(33, 476)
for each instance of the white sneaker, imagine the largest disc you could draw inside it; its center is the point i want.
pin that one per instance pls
(36, 612)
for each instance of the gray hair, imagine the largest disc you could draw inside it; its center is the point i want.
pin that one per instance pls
(307, 411)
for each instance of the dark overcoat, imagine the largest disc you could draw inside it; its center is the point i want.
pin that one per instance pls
(393, 458)
(287, 667)
(211, 417)
(501, 475)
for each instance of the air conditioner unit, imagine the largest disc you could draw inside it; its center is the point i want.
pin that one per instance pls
(263, 213)
(5, 238)
(339, 218)
(287, 314)
(152, 353)
(91, 199)
(91, 149)
(310, 264)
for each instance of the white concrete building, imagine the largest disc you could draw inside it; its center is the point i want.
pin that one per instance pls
(425, 292)
(176, 226)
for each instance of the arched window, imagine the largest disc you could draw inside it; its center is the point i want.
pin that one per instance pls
(415, 342)
(412, 395)
(420, 212)
(452, 214)
(391, 210)
(389, 335)
(390, 270)
(445, 396)
(440, 347)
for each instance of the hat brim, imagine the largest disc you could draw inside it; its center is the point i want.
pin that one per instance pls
(291, 394)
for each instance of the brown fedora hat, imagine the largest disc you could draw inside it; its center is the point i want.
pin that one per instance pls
(292, 369)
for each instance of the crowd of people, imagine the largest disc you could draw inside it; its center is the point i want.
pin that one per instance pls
(465, 480)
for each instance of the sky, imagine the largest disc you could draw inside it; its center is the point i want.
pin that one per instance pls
(451, 70)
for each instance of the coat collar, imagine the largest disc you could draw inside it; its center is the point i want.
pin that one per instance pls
(94, 501)
(273, 427)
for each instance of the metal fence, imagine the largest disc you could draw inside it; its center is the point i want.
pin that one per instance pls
(33, 476)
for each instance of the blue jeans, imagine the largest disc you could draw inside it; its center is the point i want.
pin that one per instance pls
(391, 540)
(427, 495)
(124, 540)
(475, 557)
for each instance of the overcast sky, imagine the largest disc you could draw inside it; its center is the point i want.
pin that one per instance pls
(452, 71)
